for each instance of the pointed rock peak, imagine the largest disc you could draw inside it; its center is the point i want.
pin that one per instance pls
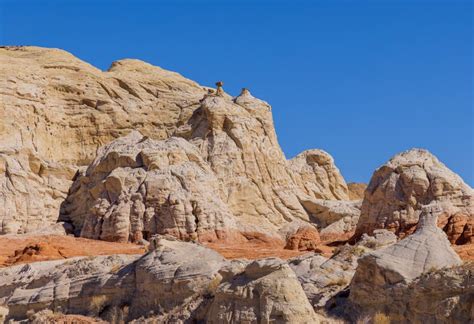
(245, 93)
(246, 100)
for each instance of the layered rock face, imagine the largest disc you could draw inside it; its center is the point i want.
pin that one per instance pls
(31, 190)
(137, 187)
(315, 172)
(262, 189)
(233, 178)
(390, 280)
(60, 111)
(56, 111)
(176, 282)
(238, 140)
(398, 190)
(250, 295)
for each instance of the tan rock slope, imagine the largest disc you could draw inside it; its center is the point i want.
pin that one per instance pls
(58, 111)
(410, 180)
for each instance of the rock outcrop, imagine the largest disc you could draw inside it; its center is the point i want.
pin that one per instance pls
(137, 187)
(324, 278)
(237, 138)
(56, 111)
(335, 218)
(398, 190)
(31, 190)
(356, 190)
(266, 291)
(230, 175)
(315, 172)
(175, 282)
(384, 279)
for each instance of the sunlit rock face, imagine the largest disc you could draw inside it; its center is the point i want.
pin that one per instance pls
(398, 190)
(419, 278)
(137, 187)
(56, 111)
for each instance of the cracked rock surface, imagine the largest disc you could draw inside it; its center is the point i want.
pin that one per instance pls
(397, 191)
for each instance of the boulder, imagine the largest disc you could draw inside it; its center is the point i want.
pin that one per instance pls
(267, 291)
(334, 218)
(384, 278)
(314, 171)
(175, 282)
(306, 238)
(410, 180)
(137, 187)
(323, 279)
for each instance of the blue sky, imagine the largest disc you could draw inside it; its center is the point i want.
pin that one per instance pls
(362, 80)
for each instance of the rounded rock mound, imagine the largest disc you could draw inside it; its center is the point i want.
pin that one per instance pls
(398, 190)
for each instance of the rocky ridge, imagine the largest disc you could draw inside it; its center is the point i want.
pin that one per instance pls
(139, 154)
(52, 99)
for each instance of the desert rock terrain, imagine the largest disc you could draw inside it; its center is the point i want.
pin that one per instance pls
(135, 195)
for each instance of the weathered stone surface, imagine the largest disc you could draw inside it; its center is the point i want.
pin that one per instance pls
(238, 139)
(306, 238)
(175, 282)
(384, 279)
(31, 190)
(411, 179)
(267, 291)
(323, 278)
(56, 111)
(333, 217)
(315, 172)
(356, 190)
(137, 187)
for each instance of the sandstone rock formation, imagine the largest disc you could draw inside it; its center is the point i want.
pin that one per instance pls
(241, 183)
(414, 178)
(56, 111)
(356, 190)
(137, 187)
(323, 278)
(176, 282)
(238, 140)
(306, 238)
(266, 291)
(315, 172)
(334, 217)
(384, 279)
(31, 190)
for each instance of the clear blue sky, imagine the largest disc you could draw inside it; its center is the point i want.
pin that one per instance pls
(362, 80)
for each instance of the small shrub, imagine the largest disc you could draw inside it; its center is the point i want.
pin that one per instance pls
(97, 302)
(214, 283)
(338, 282)
(381, 318)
